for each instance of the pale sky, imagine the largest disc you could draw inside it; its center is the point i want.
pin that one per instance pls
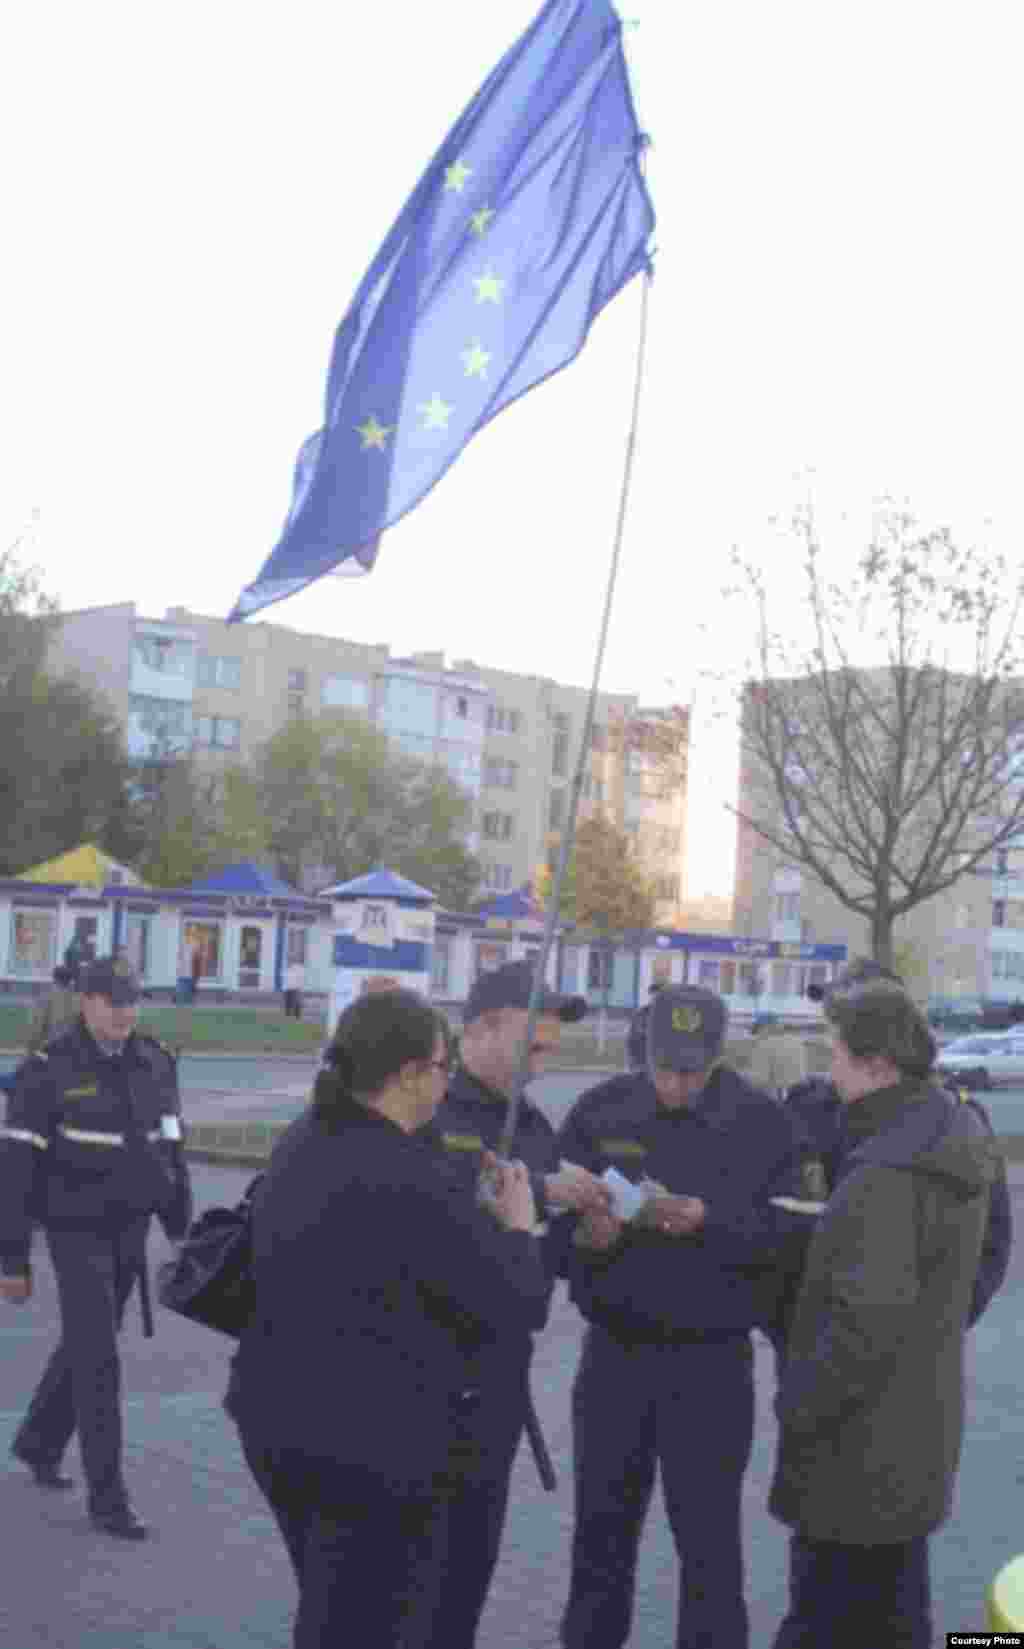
(192, 194)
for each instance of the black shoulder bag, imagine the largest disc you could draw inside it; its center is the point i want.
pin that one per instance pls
(210, 1278)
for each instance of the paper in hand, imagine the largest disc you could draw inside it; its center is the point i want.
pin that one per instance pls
(796, 1205)
(627, 1198)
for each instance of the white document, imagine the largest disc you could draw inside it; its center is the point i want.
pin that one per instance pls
(170, 1127)
(627, 1198)
(795, 1205)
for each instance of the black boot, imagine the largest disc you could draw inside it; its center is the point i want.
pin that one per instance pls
(45, 1472)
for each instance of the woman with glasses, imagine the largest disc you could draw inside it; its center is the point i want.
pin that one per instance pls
(372, 1277)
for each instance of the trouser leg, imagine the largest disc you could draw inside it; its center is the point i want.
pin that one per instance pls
(473, 1516)
(290, 1503)
(850, 1595)
(705, 1431)
(82, 1382)
(613, 1417)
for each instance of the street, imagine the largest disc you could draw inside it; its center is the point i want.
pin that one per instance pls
(214, 1575)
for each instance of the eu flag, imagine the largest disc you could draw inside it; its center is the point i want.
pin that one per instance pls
(532, 215)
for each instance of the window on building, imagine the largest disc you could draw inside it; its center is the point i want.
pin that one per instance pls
(218, 732)
(345, 693)
(498, 827)
(440, 966)
(409, 706)
(707, 974)
(33, 942)
(213, 671)
(600, 965)
(462, 707)
(727, 978)
(787, 907)
(784, 979)
(158, 727)
(500, 720)
(296, 946)
(165, 655)
(208, 939)
(250, 958)
(296, 681)
(999, 913)
(556, 810)
(501, 775)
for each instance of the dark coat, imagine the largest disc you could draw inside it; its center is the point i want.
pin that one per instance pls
(820, 1115)
(91, 1143)
(374, 1273)
(733, 1147)
(871, 1394)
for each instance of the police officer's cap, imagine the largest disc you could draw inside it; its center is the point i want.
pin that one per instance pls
(685, 1028)
(509, 987)
(112, 977)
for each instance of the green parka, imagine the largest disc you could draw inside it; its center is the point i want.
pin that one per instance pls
(871, 1396)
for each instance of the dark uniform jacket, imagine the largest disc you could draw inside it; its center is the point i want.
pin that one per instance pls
(373, 1271)
(819, 1113)
(92, 1142)
(871, 1394)
(469, 1121)
(734, 1148)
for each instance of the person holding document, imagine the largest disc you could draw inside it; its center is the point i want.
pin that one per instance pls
(371, 1277)
(706, 1175)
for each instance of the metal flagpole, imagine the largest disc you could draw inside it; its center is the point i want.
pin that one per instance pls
(569, 833)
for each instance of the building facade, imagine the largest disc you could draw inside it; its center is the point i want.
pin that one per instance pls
(193, 684)
(967, 941)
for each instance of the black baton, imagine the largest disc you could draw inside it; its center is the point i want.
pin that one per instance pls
(538, 1447)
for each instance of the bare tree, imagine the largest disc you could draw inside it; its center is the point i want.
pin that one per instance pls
(879, 752)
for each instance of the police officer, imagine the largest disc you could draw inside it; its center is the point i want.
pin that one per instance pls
(671, 1292)
(636, 1039)
(92, 1148)
(469, 1122)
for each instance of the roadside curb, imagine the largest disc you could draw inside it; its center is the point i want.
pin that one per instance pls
(249, 1144)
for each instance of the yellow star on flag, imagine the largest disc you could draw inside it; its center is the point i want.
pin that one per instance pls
(455, 177)
(476, 361)
(436, 412)
(480, 220)
(489, 289)
(373, 433)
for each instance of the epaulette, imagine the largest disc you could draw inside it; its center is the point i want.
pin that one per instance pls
(39, 1054)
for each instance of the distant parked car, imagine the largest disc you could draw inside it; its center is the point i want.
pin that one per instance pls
(980, 1061)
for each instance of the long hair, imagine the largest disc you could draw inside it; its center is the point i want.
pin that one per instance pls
(375, 1037)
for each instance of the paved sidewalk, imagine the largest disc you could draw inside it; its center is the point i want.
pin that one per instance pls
(214, 1575)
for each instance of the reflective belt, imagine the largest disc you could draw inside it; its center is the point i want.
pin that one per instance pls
(86, 1136)
(26, 1135)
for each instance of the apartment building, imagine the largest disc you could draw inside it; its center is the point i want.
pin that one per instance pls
(966, 941)
(190, 683)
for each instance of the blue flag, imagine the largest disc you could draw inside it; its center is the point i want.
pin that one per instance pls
(531, 217)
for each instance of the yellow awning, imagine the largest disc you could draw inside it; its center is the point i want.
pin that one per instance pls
(86, 866)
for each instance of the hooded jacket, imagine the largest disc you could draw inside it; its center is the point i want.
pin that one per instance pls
(871, 1396)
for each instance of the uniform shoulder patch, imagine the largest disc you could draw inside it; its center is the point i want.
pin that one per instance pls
(462, 1142)
(621, 1148)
